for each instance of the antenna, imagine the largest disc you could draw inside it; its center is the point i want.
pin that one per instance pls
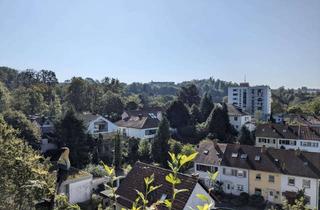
(245, 79)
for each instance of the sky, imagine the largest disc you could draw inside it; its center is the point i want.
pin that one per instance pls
(272, 42)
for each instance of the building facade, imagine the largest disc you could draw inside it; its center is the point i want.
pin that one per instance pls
(256, 100)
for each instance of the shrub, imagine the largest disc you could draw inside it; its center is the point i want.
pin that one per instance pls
(95, 170)
(256, 201)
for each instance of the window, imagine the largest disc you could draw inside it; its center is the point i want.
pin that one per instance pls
(291, 181)
(234, 155)
(258, 177)
(306, 183)
(271, 193)
(204, 168)
(271, 178)
(240, 187)
(257, 191)
(235, 118)
(257, 158)
(150, 132)
(241, 173)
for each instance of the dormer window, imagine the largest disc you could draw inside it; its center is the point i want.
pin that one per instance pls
(257, 158)
(206, 152)
(234, 155)
(243, 156)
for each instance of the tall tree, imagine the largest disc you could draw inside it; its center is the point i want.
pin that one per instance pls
(178, 114)
(117, 154)
(218, 124)
(25, 128)
(160, 146)
(144, 150)
(111, 105)
(76, 94)
(189, 94)
(24, 175)
(5, 98)
(206, 106)
(195, 114)
(71, 133)
(245, 136)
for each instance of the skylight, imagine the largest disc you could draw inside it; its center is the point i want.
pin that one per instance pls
(257, 158)
(234, 155)
(206, 152)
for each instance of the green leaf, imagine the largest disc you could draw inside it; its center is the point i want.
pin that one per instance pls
(167, 203)
(213, 176)
(153, 188)
(176, 191)
(185, 159)
(202, 197)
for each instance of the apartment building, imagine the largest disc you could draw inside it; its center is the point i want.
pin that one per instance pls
(272, 173)
(282, 136)
(256, 100)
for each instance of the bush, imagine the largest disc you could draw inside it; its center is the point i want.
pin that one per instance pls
(245, 197)
(256, 201)
(95, 170)
(241, 200)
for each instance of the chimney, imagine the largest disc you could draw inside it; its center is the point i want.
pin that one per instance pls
(283, 166)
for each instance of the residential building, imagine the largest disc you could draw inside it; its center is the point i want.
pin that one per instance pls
(256, 100)
(272, 173)
(239, 118)
(96, 124)
(142, 124)
(288, 137)
(127, 194)
(302, 119)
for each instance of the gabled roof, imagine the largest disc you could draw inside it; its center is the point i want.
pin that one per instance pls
(87, 117)
(140, 119)
(135, 181)
(235, 111)
(210, 152)
(290, 162)
(288, 131)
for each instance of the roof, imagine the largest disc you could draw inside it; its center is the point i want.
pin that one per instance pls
(87, 117)
(140, 119)
(135, 181)
(288, 131)
(235, 111)
(209, 152)
(290, 162)
(306, 120)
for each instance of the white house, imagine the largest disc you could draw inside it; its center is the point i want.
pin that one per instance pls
(282, 136)
(127, 194)
(290, 184)
(142, 124)
(97, 124)
(239, 118)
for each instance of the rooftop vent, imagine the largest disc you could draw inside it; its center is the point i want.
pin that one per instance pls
(257, 158)
(234, 155)
(206, 152)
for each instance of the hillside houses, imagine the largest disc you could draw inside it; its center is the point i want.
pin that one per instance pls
(272, 173)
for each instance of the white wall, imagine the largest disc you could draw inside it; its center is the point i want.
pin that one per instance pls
(233, 181)
(312, 191)
(80, 191)
(111, 126)
(45, 145)
(194, 201)
(240, 121)
(137, 133)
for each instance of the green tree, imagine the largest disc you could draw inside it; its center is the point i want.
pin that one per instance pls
(144, 150)
(189, 94)
(178, 114)
(175, 146)
(25, 128)
(70, 131)
(195, 114)
(206, 106)
(76, 94)
(5, 98)
(245, 136)
(160, 144)
(117, 154)
(24, 174)
(111, 105)
(218, 124)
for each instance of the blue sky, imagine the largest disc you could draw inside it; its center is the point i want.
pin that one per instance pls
(270, 41)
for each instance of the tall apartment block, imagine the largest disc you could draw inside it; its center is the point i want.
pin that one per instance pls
(256, 100)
